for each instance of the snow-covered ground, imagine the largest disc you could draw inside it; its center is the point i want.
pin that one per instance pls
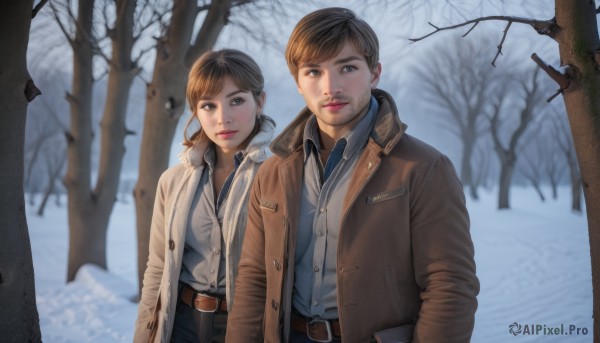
(533, 263)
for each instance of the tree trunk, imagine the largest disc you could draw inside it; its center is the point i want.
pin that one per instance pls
(82, 242)
(53, 173)
(575, 188)
(466, 172)
(47, 193)
(507, 166)
(89, 211)
(537, 188)
(19, 319)
(579, 47)
(165, 102)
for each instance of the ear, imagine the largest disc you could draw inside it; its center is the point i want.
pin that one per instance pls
(376, 73)
(260, 103)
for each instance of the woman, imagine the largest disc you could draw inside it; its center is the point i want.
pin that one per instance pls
(200, 209)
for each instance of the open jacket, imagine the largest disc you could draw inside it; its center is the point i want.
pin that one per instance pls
(174, 195)
(404, 254)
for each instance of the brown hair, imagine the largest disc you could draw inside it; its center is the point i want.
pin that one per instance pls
(207, 76)
(322, 34)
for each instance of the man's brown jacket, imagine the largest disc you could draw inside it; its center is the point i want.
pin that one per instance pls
(404, 255)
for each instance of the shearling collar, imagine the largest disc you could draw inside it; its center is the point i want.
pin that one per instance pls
(387, 131)
(193, 157)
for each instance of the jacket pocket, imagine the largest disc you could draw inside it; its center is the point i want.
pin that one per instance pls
(268, 205)
(387, 195)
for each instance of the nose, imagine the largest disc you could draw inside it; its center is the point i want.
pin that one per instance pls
(223, 116)
(330, 84)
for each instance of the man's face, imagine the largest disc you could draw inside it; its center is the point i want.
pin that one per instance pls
(336, 90)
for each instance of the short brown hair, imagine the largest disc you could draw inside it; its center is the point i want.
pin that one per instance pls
(207, 76)
(322, 34)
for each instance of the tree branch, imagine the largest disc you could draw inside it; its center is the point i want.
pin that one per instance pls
(499, 52)
(61, 25)
(37, 8)
(543, 27)
(563, 80)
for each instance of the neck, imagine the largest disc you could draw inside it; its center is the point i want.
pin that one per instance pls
(331, 135)
(224, 158)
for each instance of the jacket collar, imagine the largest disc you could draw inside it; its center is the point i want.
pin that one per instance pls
(193, 157)
(386, 133)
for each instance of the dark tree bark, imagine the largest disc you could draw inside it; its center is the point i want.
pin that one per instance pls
(579, 47)
(19, 319)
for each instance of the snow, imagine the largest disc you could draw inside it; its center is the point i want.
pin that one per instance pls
(533, 262)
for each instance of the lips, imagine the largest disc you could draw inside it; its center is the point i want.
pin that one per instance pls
(225, 134)
(335, 106)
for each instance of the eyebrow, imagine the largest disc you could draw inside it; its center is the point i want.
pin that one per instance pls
(337, 62)
(235, 92)
(204, 98)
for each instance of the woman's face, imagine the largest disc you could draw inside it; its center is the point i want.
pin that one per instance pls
(229, 117)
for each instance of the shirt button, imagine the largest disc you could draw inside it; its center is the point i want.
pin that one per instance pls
(322, 210)
(320, 232)
(212, 271)
(217, 251)
(316, 268)
(316, 303)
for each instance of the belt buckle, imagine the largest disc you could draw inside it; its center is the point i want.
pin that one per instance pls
(315, 321)
(217, 304)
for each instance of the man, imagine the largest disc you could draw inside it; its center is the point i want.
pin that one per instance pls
(356, 231)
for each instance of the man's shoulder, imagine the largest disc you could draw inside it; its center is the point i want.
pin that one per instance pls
(415, 149)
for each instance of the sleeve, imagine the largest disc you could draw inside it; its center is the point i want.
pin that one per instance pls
(245, 321)
(443, 256)
(146, 321)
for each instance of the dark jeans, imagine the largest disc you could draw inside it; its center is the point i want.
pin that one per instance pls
(192, 325)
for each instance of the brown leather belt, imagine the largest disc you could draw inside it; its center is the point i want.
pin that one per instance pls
(320, 330)
(202, 302)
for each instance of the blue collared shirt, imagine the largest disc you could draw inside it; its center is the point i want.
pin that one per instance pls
(323, 193)
(203, 263)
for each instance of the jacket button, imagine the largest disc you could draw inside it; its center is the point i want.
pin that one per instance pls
(171, 244)
(277, 265)
(274, 305)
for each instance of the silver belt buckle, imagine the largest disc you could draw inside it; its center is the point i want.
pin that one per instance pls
(327, 326)
(217, 304)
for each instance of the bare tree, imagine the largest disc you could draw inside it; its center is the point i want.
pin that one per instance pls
(44, 140)
(19, 319)
(55, 163)
(456, 83)
(507, 153)
(575, 29)
(532, 164)
(90, 207)
(564, 140)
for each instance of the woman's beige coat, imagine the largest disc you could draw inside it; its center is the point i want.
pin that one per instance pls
(176, 189)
